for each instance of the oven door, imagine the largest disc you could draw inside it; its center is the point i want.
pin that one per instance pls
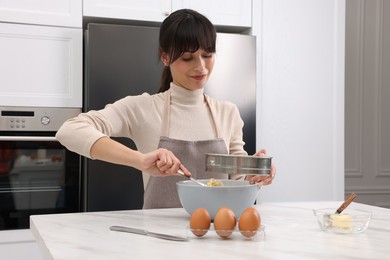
(37, 176)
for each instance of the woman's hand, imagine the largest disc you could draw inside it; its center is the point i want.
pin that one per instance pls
(262, 179)
(162, 162)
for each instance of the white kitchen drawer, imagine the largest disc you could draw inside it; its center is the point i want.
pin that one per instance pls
(66, 13)
(40, 66)
(237, 13)
(19, 244)
(139, 10)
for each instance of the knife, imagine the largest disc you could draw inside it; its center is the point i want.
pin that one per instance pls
(147, 233)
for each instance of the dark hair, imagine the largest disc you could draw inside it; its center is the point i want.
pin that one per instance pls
(182, 31)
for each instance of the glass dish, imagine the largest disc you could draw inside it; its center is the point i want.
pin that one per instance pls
(236, 234)
(350, 221)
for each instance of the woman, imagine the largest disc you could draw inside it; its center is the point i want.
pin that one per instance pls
(172, 129)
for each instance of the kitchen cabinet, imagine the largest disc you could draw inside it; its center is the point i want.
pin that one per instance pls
(220, 12)
(139, 10)
(40, 66)
(225, 13)
(41, 53)
(19, 244)
(44, 12)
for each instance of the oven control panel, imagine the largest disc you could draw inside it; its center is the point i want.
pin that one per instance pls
(34, 119)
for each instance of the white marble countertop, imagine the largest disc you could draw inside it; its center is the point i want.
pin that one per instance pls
(291, 232)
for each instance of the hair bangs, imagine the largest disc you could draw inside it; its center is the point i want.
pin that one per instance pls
(191, 36)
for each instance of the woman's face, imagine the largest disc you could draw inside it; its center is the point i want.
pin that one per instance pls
(191, 70)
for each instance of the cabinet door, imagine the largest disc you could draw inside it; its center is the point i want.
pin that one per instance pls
(141, 10)
(46, 12)
(220, 12)
(40, 66)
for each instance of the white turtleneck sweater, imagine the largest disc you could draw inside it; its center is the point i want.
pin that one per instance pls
(139, 118)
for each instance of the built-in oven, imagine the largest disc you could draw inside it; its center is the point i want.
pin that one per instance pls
(37, 174)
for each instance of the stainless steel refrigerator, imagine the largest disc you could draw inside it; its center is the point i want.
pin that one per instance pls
(123, 60)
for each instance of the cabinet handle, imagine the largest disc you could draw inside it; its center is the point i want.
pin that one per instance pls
(167, 13)
(28, 138)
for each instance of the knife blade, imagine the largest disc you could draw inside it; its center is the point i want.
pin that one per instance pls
(147, 233)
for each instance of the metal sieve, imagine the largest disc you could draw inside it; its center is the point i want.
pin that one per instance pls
(238, 164)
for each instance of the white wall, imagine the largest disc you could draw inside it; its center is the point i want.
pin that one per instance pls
(300, 98)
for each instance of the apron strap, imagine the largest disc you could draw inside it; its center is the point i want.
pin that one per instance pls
(213, 116)
(165, 115)
(167, 112)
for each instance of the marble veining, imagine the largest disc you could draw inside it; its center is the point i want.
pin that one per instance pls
(291, 232)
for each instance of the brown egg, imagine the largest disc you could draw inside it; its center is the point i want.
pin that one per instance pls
(224, 222)
(249, 222)
(200, 222)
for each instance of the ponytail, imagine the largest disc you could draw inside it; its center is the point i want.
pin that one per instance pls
(166, 79)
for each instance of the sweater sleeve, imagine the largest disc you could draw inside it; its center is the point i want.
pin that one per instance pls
(80, 133)
(118, 119)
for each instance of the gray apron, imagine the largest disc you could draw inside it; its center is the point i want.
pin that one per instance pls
(161, 192)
